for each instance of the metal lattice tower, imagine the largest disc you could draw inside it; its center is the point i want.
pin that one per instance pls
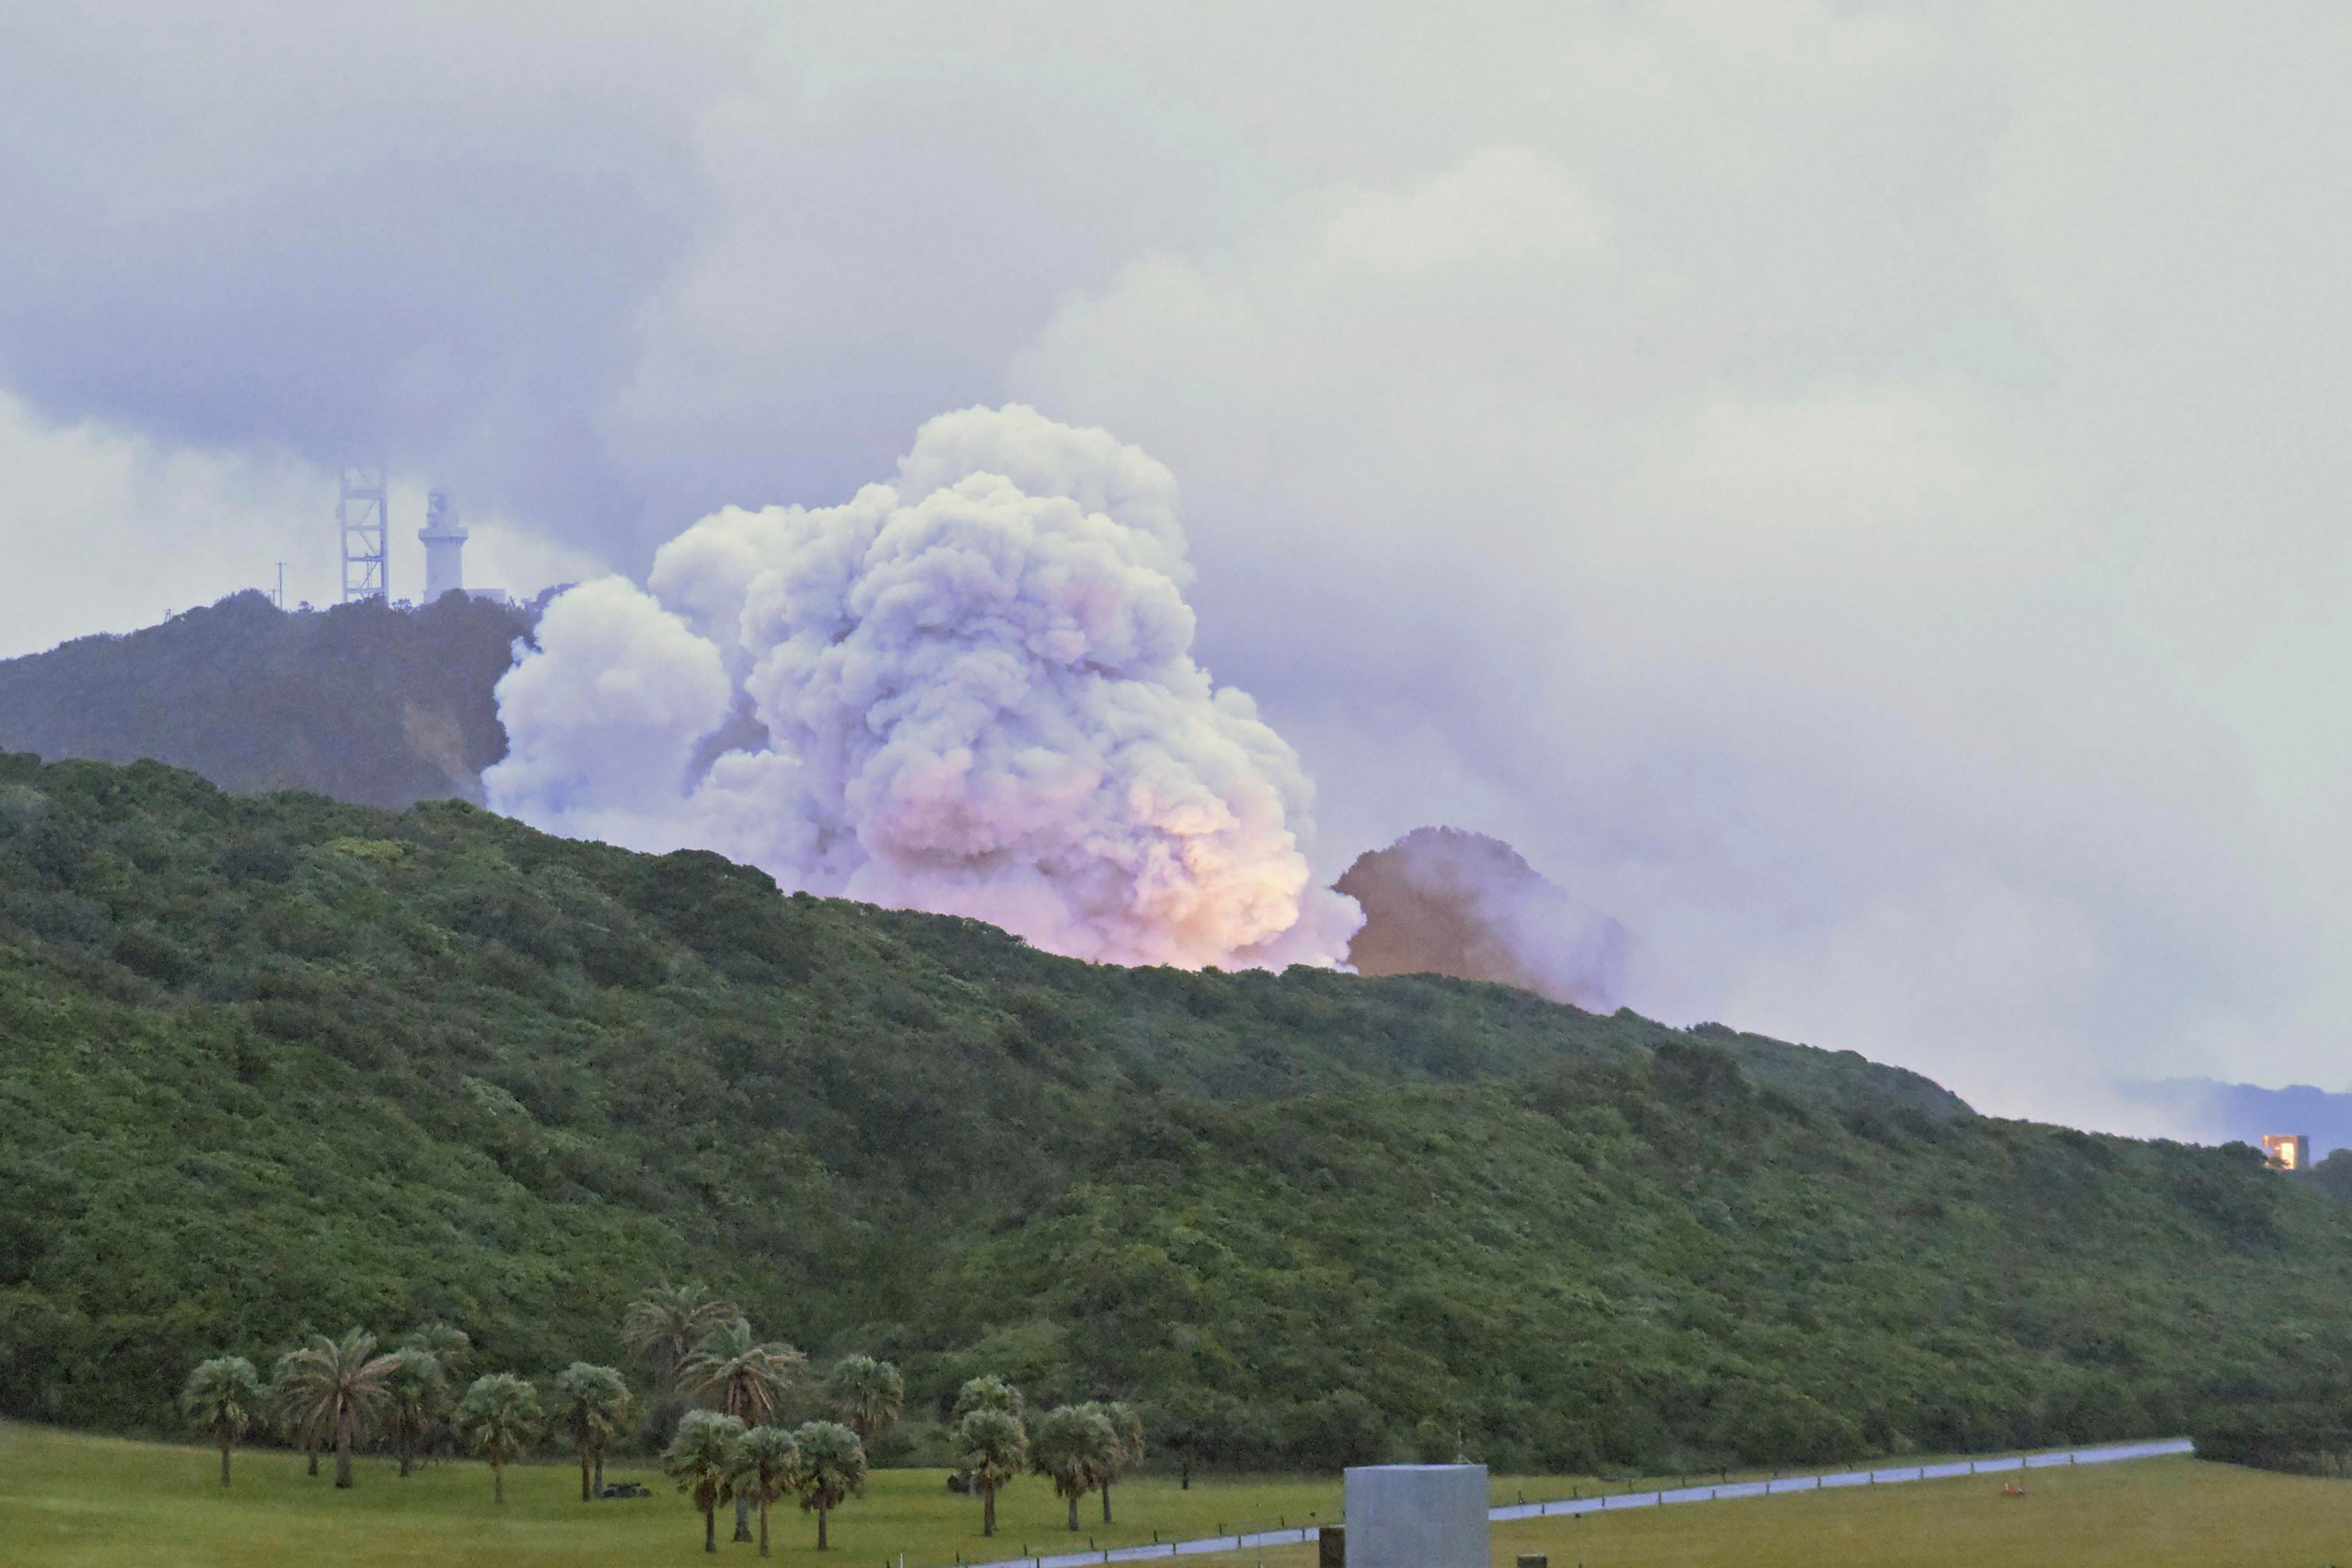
(360, 515)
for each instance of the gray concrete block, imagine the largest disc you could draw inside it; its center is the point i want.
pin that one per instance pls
(1417, 1515)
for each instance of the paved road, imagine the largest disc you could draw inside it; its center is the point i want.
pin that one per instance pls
(1615, 1501)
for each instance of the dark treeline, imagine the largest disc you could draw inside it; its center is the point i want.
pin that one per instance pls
(271, 1066)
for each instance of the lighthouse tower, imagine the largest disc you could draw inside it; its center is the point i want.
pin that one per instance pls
(445, 547)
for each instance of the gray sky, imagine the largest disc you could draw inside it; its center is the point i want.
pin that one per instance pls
(1851, 490)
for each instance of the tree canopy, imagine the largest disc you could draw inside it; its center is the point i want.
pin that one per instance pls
(830, 1472)
(867, 1396)
(416, 1399)
(223, 1398)
(763, 1466)
(501, 1418)
(664, 1326)
(392, 1068)
(332, 1390)
(1072, 1446)
(698, 1459)
(732, 1370)
(990, 1448)
(593, 1406)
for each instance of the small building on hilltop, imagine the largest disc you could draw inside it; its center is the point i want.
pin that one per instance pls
(2288, 1151)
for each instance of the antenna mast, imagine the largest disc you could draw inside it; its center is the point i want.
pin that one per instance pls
(360, 517)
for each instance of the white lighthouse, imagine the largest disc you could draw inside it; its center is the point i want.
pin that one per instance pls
(445, 547)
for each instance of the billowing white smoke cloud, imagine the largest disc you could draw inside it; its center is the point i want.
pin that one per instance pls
(979, 698)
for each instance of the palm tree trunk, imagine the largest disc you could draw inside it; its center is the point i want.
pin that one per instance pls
(344, 1457)
(584, 1493)
(1105, 1503)
(821, 1516)
(224, 1443)
(764, 1527)
(408, 1455)
(711, 1528)
(310, 1452)
(1184, 1476)
(987, 1510)
(600, 1472)
(498, 1483)
(743, 1518)
(1074, 1513)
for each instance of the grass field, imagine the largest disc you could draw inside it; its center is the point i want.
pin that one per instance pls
(68, 1500)
(78, 1501)
(2146, 1513)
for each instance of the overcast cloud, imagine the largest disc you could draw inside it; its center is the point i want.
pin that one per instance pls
(1853, 491)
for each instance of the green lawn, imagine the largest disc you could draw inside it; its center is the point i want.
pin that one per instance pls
(70, 1500)
(2147, 1513)
(77, 1501)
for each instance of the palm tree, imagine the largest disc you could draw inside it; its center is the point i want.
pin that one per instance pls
(867, 1396)
(1072, 1449)
(697, 1458)
(730, 1372)
(501, 1419)
(760, 1466)
(1127, 1427)
(664, 1325)
(990, 1448)
(285, 1413)
(417, 1394)
(989, 1393)
(736, 1375)
(593, 1404)
(224, 1396)
(452, 1347)
(832, 1469)
(333, 1388)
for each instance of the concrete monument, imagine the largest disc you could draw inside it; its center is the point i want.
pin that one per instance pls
(1417, 1515)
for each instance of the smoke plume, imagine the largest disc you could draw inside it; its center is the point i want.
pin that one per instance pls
(1442, 901)
(969, 690)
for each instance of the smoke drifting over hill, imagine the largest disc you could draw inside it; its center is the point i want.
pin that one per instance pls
(1441, 901)
(970, 691)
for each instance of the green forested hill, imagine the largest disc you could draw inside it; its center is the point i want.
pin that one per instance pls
(275, 1063)
(362, 701)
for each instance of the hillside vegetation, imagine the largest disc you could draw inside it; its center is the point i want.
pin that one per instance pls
(269, 1063)
(362, 703)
